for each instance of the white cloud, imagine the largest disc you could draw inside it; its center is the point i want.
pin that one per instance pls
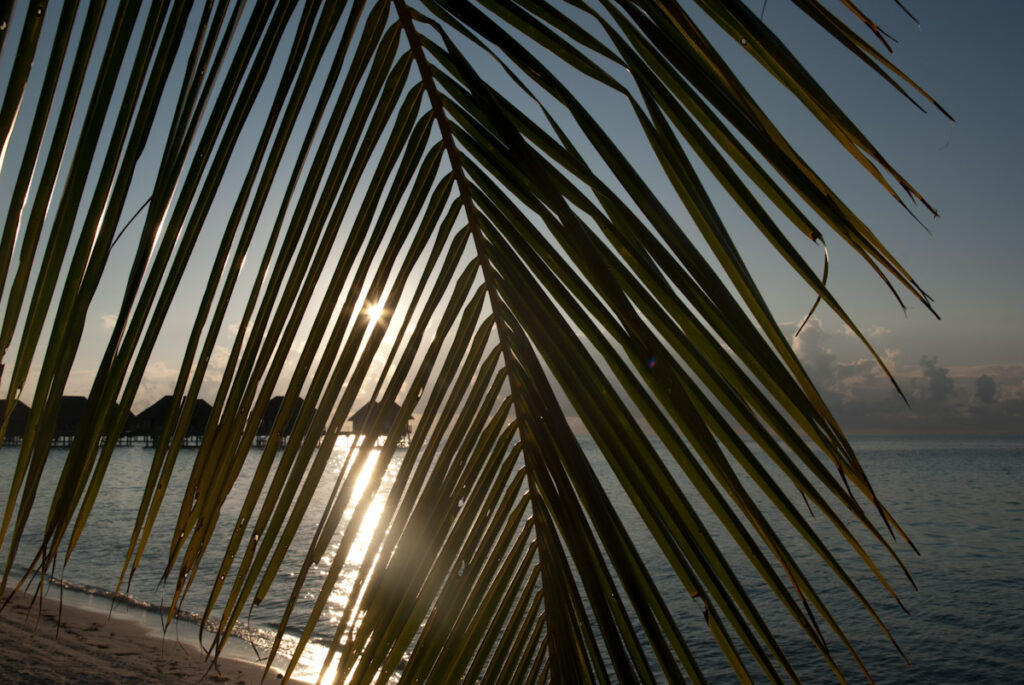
(813, 351)
(866, 331)
(108, 321)
(219, 357)
(158, 381)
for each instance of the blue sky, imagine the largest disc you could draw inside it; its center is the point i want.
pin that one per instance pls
(968, 56)
(963, 373)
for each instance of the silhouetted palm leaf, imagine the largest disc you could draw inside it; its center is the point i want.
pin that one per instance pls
(450, 160)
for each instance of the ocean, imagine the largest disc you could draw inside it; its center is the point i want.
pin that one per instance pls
(961, 500)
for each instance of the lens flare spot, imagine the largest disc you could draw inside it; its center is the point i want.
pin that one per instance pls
(374, 312)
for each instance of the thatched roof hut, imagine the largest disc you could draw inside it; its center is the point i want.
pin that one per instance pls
(151, 420)
(18, 421)
(201, 414)
(270, 416)
(69, 414)
(366, 416)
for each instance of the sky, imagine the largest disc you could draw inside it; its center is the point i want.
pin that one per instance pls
(963, 373)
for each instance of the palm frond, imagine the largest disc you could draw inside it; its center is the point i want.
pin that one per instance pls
(541, 268)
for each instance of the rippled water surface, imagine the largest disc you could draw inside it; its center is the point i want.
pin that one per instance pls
(960, 499)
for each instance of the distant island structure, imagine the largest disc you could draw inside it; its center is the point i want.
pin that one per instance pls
(149, 423)
(146, 426)
(17, 423)
(269, 419)
(270, 416)
(375, 419)
(69, 415)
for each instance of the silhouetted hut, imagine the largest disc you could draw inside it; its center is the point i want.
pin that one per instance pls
(69, 414)
(365, 418)
(16, 423)
(150, 421)
(197, 423)
(270, 416)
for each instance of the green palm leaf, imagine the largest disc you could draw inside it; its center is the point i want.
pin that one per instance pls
(300, 162)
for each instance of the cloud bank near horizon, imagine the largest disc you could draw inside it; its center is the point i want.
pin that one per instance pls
(939, 399)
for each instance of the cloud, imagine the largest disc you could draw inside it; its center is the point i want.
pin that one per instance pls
(813, 351)
(868, 331)
(985, 389)
(219, 358)
(840, 381)
(108, 321)
(939, 399)
(158, 381)
(940, 386)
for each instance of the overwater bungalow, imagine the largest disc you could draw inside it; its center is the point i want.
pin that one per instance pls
(69, 414)
(149, 422)
(201, 414)
(364, 419)
(270, 416)
(16, 423)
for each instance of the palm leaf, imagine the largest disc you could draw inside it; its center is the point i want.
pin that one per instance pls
(443, 159)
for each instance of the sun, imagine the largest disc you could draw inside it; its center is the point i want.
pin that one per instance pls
(374, 312)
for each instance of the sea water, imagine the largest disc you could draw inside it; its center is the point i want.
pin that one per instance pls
(961, 500)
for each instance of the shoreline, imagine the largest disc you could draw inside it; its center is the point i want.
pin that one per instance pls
(96, 645)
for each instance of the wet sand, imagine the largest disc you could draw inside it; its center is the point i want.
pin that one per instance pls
(92, 647)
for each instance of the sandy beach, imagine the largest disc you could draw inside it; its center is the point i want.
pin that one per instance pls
(92, 647)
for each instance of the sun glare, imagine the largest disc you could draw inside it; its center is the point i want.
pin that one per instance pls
(375, 311)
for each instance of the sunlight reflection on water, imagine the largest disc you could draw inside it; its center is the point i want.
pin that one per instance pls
(344, 594)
